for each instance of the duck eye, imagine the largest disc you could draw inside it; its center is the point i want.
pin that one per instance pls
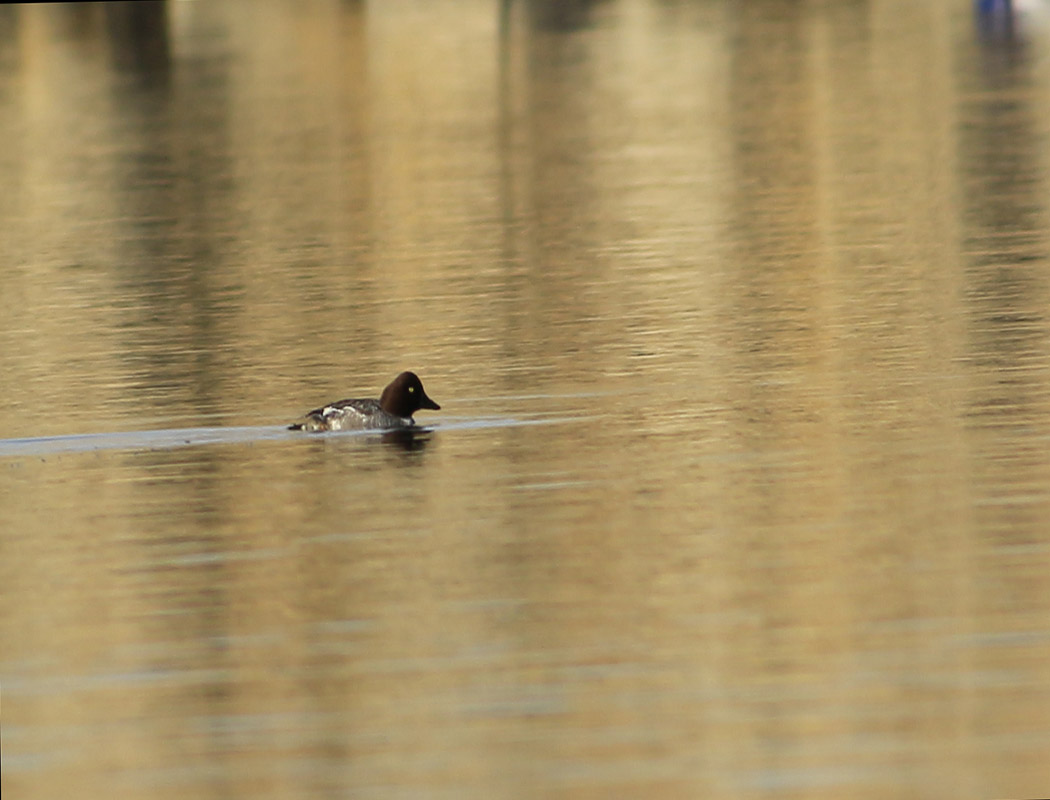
(411, 388)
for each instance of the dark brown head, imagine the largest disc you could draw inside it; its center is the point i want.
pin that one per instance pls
(405, 396)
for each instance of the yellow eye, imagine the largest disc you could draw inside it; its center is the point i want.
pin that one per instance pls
(411, 388)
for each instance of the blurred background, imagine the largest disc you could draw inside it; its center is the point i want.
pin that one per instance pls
(739, 317)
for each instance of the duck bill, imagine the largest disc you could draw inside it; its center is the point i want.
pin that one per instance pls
(426, 402)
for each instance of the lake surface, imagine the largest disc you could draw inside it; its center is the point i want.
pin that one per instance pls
(739, 317)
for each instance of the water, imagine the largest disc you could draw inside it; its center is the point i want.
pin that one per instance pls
(738, 317)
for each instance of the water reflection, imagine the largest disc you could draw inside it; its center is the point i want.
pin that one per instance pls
(139, 35)
(736, 312)
(408, 440)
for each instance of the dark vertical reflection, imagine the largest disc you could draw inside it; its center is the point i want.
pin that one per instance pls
(773, 118)
(139, 36)
(1005, 191)
(552, 16)
(355, 117)
(1001, 119)
(168, 175)
(549, 125)
(773, 122)
(1002, 129)
(996, 20)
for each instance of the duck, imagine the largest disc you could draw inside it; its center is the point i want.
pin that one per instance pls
(402, 398)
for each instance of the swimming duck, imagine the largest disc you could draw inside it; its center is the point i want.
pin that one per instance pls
(402, 398)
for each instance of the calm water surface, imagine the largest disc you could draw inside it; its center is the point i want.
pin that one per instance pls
(739, 316)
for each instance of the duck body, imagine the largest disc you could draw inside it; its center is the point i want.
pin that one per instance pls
(402, 398)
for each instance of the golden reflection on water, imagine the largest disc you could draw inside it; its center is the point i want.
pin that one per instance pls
(766, 282)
